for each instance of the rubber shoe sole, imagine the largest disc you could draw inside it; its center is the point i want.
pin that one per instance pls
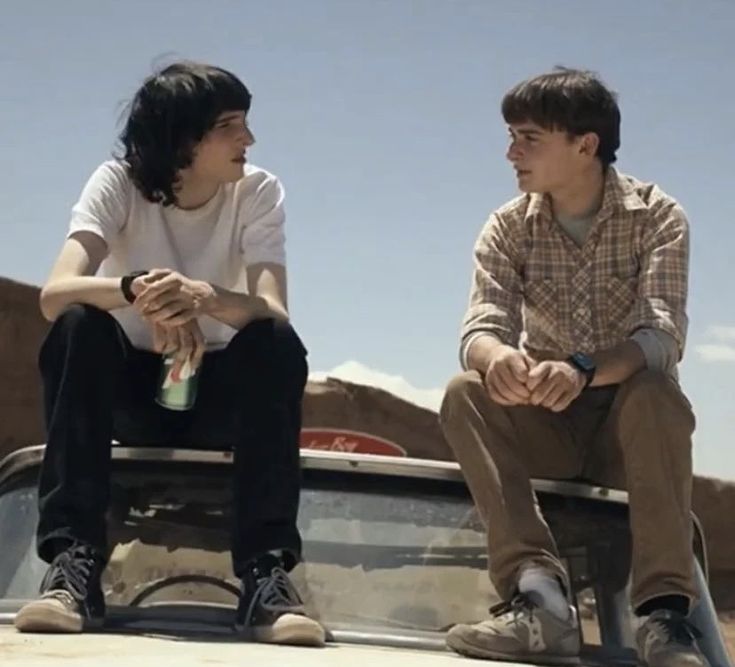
(52, 616)
(458, 644)
(291, 629)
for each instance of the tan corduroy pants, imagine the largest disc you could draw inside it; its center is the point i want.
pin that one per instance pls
(636, 437)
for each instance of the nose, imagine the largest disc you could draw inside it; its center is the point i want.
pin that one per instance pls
(249, 137)
(513, 153)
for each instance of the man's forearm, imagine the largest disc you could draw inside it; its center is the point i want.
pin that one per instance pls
(618, 363)
(480, 352)
(238, 309)
(104, 293)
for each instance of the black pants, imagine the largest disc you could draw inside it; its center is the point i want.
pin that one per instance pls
(97, 387)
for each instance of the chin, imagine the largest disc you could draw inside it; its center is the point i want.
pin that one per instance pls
(526, 186)
(531, 187)
(235, 174)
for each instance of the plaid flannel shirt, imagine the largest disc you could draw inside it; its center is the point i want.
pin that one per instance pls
(533, 287)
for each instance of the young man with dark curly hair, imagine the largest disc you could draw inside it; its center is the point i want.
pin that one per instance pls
(177, 248)
(576, 322)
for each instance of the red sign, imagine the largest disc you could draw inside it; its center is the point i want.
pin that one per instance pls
(353, 442)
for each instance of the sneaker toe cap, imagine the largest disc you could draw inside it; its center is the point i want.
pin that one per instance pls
(292, 629)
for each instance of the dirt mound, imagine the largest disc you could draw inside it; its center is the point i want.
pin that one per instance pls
(22, 329)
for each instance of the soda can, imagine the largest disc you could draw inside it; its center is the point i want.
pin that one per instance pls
(177, 390)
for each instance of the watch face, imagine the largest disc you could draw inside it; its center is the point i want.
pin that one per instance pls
(584, 362)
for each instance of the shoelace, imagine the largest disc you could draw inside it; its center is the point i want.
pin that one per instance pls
(678, 630)
(275, 593)
(517, 606)
(70, 572)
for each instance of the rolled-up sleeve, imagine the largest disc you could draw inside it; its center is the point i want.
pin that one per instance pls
(659, 348)
(495, 293)
(664, 273)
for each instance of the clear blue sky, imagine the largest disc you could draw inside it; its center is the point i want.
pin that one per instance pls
(381, 118)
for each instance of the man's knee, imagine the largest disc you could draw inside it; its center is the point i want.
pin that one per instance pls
(650, 385)
(290, 355)
(276, 344)
(82, 315)
(646, 380)
(79, 325)
(270, 337)
(287, 341)
(461, 392)
(651, 393)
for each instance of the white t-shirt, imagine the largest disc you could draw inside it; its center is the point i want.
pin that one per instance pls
(243, 224)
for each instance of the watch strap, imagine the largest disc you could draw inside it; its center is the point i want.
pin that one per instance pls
(584, 365)
(126, 283)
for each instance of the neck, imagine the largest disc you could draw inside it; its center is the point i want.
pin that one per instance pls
(193, 193)
(581, 196)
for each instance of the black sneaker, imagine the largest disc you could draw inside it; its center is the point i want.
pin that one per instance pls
(71, 596)
(270, 608)
(667, 639)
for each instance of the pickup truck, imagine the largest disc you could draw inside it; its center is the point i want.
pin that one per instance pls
(394, 555)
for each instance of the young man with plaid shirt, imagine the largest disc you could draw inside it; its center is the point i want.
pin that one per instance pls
(576, 322)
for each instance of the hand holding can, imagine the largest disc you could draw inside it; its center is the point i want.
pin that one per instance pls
(183, 349)
(177, 388)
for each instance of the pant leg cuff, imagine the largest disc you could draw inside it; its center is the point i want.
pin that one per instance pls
(637, 602)
(289, 542)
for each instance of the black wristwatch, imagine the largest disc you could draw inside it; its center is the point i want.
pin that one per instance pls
(585, 365)
(126, 282)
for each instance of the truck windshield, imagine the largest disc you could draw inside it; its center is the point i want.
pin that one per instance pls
(379, 552)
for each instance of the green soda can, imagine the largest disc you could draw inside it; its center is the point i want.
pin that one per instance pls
(177, 391)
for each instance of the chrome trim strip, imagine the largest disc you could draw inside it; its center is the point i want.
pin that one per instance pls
(322, 460)
(398, 639)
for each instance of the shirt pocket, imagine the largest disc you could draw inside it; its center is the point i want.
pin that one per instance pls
(541, 297)
(621, 297)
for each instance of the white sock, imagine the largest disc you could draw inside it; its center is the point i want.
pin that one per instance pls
(544, 590)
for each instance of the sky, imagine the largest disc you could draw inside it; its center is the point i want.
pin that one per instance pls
(381, 117)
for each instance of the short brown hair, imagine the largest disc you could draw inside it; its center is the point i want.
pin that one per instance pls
(572, 100)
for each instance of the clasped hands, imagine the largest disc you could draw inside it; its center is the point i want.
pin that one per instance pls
(170, 302)
(513, 378)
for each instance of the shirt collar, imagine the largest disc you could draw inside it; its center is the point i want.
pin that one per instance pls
(618, 195)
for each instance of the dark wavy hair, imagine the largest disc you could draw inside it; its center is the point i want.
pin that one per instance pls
(169, 115)
(571, 100)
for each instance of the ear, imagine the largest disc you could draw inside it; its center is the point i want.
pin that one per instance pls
(588, 144)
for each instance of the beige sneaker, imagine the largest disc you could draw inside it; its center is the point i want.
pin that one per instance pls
(667, 639)
(272, 612)
(520, 631)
